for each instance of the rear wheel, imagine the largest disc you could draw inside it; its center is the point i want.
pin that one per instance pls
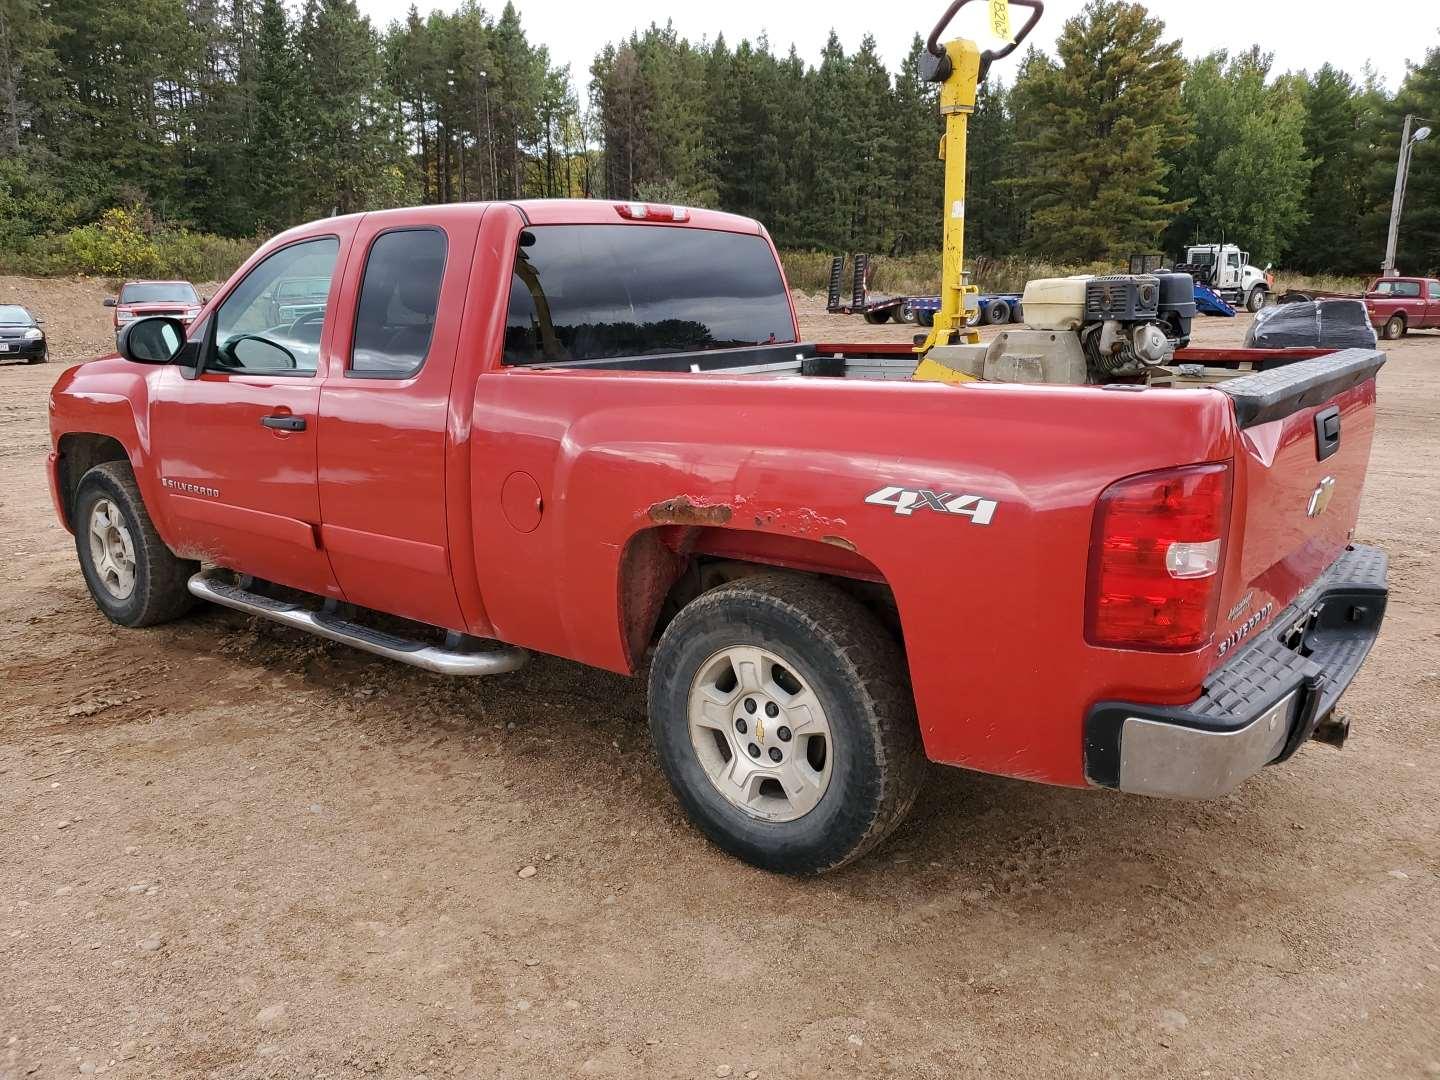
(904, 313)
(1394, 328)
(999, 313)
(780, 711)
(134, 578)
(925, 318)
(875, 318)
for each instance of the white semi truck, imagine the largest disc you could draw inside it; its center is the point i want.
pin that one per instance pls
(1227, 270)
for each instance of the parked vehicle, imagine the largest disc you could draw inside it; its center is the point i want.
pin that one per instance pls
(1398, 305)
(137, 299)
(592, 430)
(1227, 270)
(22, 335)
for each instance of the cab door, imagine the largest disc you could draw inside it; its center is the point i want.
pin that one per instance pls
(385, 413)
(236, 444)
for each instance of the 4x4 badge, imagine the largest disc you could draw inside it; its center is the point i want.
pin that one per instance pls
(905, 501)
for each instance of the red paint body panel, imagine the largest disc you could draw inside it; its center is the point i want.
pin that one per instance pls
(1421, 312)
(505, 501)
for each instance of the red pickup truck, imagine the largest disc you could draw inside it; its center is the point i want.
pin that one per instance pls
(1398, 305)
(592, 430)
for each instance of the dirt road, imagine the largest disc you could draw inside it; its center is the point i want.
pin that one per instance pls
(230, 851)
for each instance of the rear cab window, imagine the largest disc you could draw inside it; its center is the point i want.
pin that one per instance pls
(1408, 290)
(597, 292)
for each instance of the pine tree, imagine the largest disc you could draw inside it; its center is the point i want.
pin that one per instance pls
(272, 141)
(1246, 172)
(1104, 121)
(1418, 251)
(1335, 206)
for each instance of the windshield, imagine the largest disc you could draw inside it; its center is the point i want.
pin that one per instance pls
(590, 292)
(159, 292)
(14, 315)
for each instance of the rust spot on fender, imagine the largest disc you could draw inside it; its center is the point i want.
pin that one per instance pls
(838, 541)
(682, 510)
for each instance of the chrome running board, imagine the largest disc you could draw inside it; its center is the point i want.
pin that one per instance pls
(490, 659)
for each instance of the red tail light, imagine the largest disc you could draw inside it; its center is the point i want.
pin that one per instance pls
(1155, 559)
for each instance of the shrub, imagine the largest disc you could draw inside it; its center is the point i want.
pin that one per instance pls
(125, 243)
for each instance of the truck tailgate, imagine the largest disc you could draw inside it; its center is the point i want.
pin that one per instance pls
(1305, 434)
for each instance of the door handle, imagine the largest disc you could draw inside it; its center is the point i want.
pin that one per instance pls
(284, 423)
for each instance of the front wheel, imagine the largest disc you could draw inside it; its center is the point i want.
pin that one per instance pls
(782, 715)
(1394, 328)
(1255, 301)
(134, 578)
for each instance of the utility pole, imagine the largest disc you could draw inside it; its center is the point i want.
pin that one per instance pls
(1402, 178)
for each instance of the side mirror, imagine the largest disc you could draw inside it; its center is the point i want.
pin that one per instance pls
(109, 301)
(1269, 267)
(39, 321)
(154, 340)
(204, 300)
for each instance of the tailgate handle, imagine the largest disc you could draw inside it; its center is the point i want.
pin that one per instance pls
(1327, 432)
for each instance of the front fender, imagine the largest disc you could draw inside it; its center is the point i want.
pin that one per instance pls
(109, 398)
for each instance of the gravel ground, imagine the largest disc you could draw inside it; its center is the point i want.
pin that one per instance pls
(230, 851)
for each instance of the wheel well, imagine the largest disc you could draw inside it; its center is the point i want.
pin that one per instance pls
(1401, 316)
(660, 576)
(78, 454)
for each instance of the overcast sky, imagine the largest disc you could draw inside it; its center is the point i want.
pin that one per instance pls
(1301, 33)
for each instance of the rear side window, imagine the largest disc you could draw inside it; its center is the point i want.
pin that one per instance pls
(1435, 290)
(399, 296)
(593, 292)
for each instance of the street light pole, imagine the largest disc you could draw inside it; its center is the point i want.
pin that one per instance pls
(1402, 178)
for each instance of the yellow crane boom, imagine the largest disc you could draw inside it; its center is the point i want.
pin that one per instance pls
(959, 66)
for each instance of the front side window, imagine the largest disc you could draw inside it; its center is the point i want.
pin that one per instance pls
(1233, 261)
(271, 323)
(594, 292)
(399, 296)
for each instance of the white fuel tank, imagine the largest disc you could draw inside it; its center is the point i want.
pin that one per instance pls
(1055, 303)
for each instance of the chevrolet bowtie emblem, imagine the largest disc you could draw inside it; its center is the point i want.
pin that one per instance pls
(759, 730)
(1320, 497)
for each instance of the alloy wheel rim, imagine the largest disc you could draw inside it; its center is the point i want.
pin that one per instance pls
(112, 551)
(760, 733)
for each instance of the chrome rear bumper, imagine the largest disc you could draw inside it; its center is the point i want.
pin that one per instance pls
(1259, 707)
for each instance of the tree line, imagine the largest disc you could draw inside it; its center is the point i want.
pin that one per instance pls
(241, 117)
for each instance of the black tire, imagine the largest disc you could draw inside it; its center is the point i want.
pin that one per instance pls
(925, 318)
(858, 673)
(904, 314)
(1255, 300)
(998, 313)
(38, 359)
(159, 593)
(1394, 328)
(875, 318)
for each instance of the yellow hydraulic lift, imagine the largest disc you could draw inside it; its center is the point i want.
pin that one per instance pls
(959, 67)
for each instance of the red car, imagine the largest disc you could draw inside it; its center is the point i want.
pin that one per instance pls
(138, 299)
(1398, 305)
(592, 430)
